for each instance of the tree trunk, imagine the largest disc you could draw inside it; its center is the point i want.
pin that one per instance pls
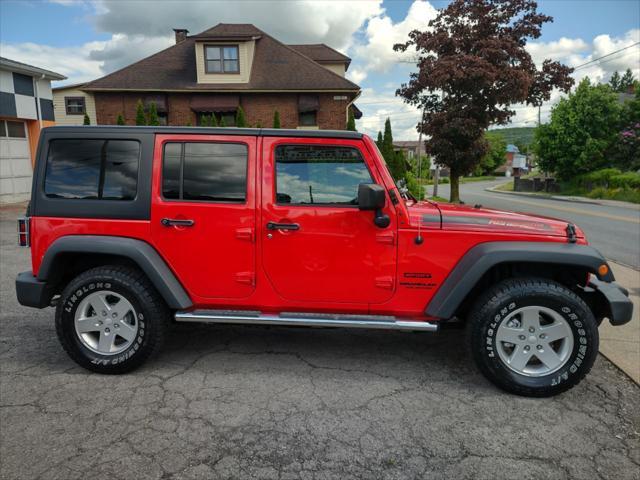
(455, 188)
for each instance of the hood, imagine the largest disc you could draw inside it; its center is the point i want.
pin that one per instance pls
(467, 218)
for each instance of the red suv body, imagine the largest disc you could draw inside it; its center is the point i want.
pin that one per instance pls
(289, 228)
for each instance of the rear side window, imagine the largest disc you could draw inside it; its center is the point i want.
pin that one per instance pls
(92, 169)
(214, 172)
(310, 174)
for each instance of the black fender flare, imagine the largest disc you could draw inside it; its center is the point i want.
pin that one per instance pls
(479, 259)
(138, 251)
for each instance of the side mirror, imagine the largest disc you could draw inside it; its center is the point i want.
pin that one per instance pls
(372, 197)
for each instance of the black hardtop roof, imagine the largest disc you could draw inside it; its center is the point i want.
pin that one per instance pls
(258, 132)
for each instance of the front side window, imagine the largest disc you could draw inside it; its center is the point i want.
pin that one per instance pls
(75, 105)
(309, 174)
(215, 172)
(92, 169)
(221, 59)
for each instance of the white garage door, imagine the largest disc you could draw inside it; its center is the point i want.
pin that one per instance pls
(15, 162)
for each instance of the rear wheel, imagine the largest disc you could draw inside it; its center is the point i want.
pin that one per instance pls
(110, 319)
(533, 337)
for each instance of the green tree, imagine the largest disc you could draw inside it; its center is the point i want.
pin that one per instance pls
(120, 120)
(583, 127)
(241, 121)
(276, 119)
(213, 120)
(351, 123)
(395, 160)
(614, 81)
(625, 152)
(258, 124)
(153, 115)
(141, 118)
(495, 156)
(87, 120)
(379, 140)
(189, 124)
(627, 81)
(222, 123)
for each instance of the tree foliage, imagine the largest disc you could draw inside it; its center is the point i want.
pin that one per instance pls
(241, 120)
(141, 118)
(351, 123)
(622, 83)
(582, 129)
(495, 156)
(473, 65)
(395, 160)
(276, 119)
(120, 120)
(153, 115)
(87, 120)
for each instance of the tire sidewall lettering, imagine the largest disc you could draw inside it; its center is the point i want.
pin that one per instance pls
(573, 316)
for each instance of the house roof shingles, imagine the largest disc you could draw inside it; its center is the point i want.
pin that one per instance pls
(276, 66)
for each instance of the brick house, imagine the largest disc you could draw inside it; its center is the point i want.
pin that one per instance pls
(225, 67)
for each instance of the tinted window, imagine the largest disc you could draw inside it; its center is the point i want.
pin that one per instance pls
(319, 175)
(92, 169)
(22, 84)
(205, 171)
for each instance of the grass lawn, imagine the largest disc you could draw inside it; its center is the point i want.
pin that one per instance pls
(505, 187)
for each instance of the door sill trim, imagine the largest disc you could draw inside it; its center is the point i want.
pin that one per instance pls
(304, 320)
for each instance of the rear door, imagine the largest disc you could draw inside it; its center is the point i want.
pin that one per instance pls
(318, 246)
(203, 212)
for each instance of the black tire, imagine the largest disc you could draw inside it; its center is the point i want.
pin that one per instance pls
(495, 305)
(152, 318)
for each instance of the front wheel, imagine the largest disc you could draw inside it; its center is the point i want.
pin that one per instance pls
(533, 337)
(110, 319)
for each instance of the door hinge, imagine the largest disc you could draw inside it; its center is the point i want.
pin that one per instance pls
(246, 278)
(384, 282)
(245, 234)
(386, 237)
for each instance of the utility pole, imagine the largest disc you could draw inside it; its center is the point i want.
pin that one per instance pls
(424, 109)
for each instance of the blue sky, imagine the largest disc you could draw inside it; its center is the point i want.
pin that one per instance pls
(84, 39)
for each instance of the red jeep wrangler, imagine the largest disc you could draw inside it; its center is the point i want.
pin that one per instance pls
(132, 228)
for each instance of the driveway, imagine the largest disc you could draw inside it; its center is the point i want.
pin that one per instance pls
(287, 403)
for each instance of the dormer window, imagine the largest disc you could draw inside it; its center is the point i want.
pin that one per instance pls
(221, 59)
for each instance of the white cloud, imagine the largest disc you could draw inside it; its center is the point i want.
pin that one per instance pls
(381, 34)
(377, 107)
(307, 21)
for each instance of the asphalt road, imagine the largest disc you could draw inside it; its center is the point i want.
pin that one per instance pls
(615, 231)
(286, 403)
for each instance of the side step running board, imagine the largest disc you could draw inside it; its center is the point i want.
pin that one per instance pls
(303, 319)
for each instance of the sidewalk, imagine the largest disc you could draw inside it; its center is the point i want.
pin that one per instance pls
(567, 198)
(621, 345)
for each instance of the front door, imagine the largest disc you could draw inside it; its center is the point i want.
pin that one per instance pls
(203, 216)
(318, 246)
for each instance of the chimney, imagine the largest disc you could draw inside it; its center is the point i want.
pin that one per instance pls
(181, 34)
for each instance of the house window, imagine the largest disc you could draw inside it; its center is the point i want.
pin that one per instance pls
(221, 59)
(308, 119)
(74, 105)
(203, 118)
(16, 129)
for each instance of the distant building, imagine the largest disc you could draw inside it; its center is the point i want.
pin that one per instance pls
(71, 103)
(515, 162)
(26, 106)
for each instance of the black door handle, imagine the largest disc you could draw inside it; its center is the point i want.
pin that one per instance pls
(177, 222)
(282, 226)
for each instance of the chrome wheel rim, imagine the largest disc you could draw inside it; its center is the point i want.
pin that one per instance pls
(534, 341)
(106, 322)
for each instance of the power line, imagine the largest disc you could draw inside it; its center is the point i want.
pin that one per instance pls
(605, 56)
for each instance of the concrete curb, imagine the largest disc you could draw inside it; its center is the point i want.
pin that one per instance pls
(560, 198)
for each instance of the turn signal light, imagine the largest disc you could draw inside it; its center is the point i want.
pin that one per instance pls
(603, 270)
(24, 239)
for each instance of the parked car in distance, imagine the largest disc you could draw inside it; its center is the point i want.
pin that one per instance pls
(133, 228)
